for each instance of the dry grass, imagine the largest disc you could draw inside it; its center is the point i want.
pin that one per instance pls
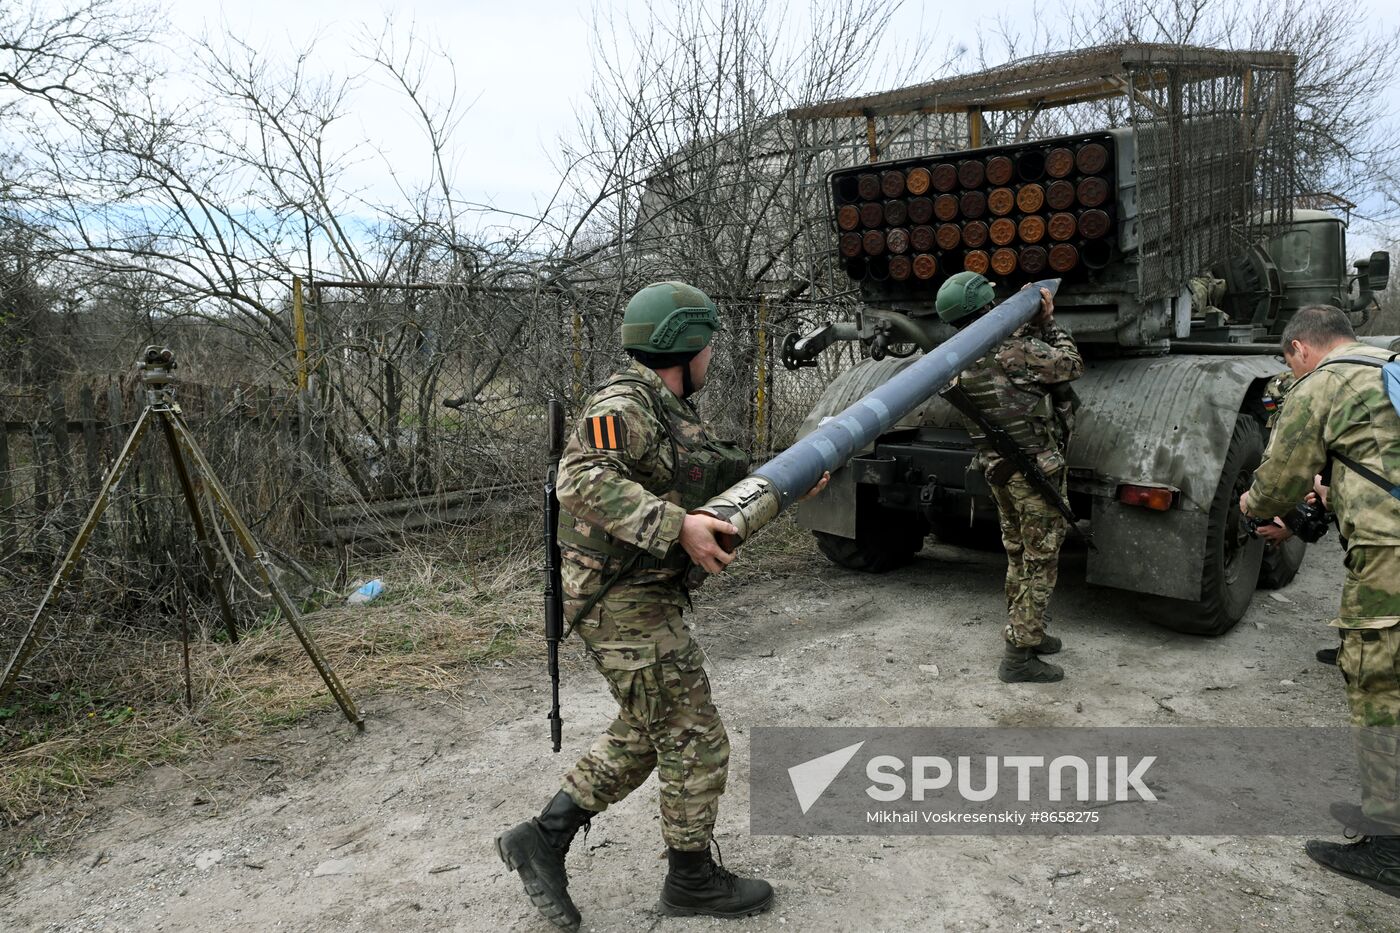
(102, 702)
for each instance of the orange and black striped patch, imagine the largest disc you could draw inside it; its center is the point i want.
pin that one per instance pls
(605, 432)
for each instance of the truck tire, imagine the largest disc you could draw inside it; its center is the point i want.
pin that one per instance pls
(1281, 563)
(901, 537)
(1233, 556)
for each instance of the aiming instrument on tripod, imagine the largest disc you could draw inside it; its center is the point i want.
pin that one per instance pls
(157, 365)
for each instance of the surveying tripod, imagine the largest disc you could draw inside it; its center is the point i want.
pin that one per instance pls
(157, 365)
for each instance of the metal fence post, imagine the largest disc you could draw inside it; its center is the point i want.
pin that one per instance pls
(299, 326)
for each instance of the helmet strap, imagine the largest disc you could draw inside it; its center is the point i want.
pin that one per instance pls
(974, 317)
(658, 361)
(687, 383)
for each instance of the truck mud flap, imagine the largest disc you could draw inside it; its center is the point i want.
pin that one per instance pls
(834, 510)
(1164, 549)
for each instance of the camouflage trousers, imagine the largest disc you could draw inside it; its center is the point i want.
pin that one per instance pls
(666, 721)
(1369, 659)
(1031, 532)
(1371, 590)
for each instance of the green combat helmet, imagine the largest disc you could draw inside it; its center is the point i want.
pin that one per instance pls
(669, 318)
(963, 294)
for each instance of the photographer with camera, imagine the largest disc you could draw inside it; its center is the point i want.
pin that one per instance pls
(1341, 415)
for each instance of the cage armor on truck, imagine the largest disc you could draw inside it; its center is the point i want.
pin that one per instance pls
(1182, 255)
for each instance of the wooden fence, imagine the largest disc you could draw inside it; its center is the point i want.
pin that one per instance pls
(56, 446)
(296, 475)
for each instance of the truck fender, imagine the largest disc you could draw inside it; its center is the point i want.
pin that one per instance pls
(1159, 421)
(834, 510)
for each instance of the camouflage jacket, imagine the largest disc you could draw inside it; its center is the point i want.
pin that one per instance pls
(1011, 385)
(1341, 407)
(617, 474)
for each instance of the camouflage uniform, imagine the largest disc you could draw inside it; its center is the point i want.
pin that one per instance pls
(1207, 294)
(1012, 386)
(637, 459)
(1343, 407)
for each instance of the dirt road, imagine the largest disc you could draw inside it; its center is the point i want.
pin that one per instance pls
(322, 829)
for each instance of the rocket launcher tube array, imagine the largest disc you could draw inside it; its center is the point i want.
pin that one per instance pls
(758, 498)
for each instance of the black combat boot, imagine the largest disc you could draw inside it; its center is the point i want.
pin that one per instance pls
(1020, 665)
(1351, 816)
(1375, 860)
(697, 886)
(1049, 644)
(1327, 655)
(536, 849)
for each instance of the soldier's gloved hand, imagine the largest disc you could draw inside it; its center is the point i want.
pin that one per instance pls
(816, 490)
(698, 538)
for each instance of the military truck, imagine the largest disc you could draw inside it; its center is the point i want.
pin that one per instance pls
(1183, 252)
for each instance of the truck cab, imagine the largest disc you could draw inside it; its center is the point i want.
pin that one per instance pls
(1302, 264)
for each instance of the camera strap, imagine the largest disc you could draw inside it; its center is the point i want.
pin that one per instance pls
(1390, 381)
(1367, 473)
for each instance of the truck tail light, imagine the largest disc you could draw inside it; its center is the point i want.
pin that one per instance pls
(1148, 497)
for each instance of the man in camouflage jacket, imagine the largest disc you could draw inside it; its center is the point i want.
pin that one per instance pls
(1338, 419)
(638, 460)
(1016, 386)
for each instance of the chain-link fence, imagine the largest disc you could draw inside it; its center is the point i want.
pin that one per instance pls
(431, 398)
(424, 405)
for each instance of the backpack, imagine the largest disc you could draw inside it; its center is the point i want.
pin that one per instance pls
(1390, 379)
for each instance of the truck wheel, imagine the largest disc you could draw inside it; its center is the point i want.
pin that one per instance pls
(1281, 563)
(899, 540)
(1233, 556)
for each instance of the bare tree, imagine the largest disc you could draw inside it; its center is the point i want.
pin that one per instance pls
(74, 52)
(182, 216)
(688, 167)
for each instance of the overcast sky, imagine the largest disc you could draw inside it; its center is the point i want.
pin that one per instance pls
(525, 66)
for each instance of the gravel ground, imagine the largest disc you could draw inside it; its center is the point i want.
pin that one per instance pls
(319, 828)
